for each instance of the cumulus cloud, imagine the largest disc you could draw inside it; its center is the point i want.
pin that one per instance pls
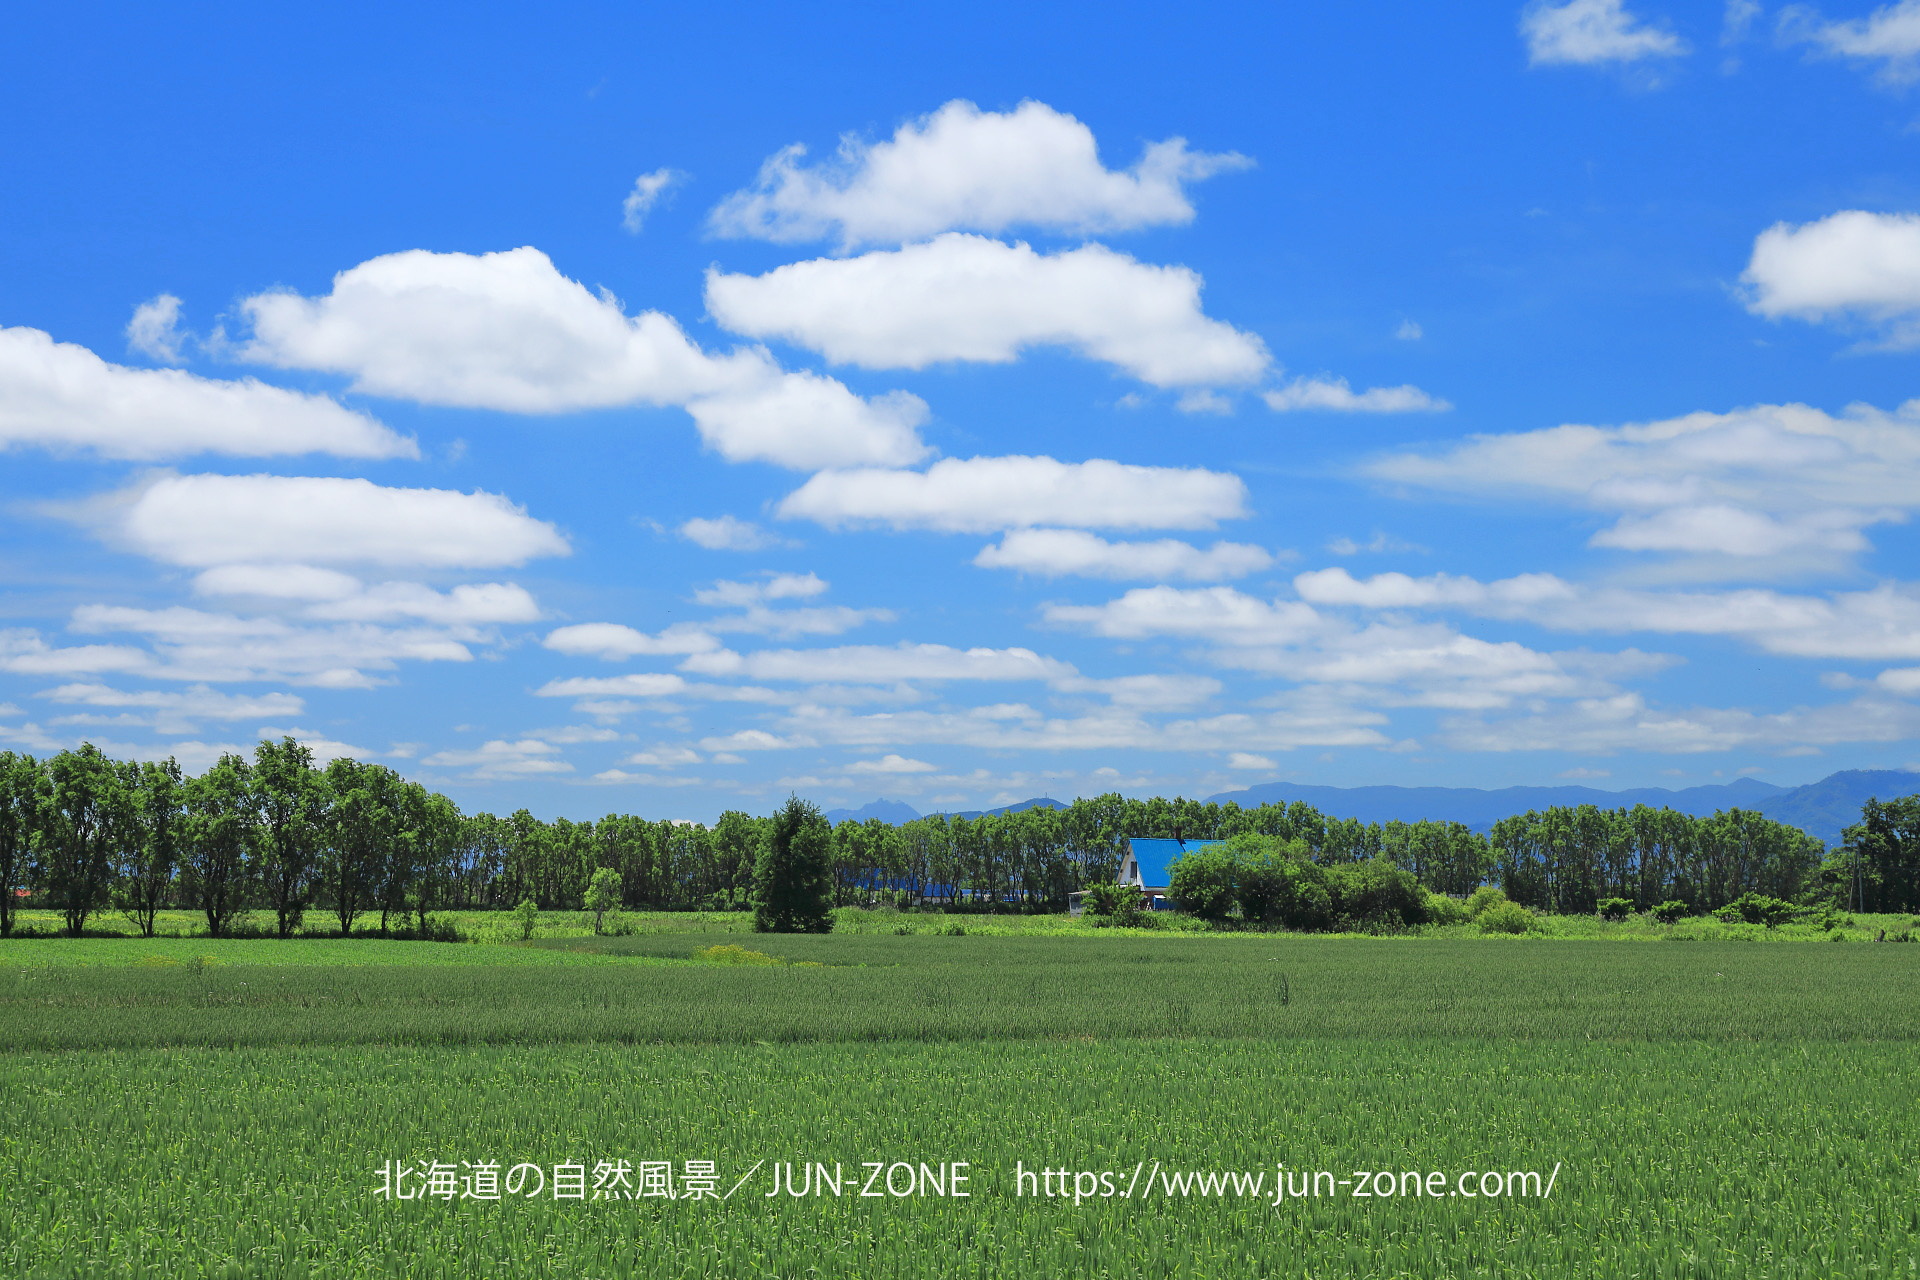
(1627, 722)
(24, 652)
(155, 331)
(1848, 265)
(645, 684)
(962, 168)
(194, 644)
(614, 642)
(508, 331)
(59, 396)
(648, 189)
(1882, 623)
(965, 297)
(174, 711)
(1334, 395)
(1889, 36)
(725, 533)
(526, 757)
(1591, 32)
(211, 520)
(891, 763)
(880, 664)
(1785, 486)
(1056, 553)
(776, 586)
(983, 495)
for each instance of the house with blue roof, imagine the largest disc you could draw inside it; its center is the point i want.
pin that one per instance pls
(1147, 863)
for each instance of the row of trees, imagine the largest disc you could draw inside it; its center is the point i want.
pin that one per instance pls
(86, 834)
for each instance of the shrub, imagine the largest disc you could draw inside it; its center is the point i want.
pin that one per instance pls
(1507, 917)
(1756, 908)
(1670, 910)
(1487, 895)
(1442, 909)
(1203, 882)
(1111, 904)
(1375, 893)
(1284, 886)
(526, 916)
(1615, 908)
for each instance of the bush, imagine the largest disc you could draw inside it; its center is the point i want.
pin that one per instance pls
(1203, 883)
(1756, 908)
(1375, 893)
(1115, 904)
(603, 895)
(526, 916)
(1487, 895)
(1507, 917)
(1614, 908)
(1286, 887)
(1670, 910)
(1442, 909)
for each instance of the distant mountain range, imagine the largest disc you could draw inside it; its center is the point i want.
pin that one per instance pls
(1822, 809)
(895, 812)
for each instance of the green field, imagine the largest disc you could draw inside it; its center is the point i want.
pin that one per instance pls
(1714, 1108)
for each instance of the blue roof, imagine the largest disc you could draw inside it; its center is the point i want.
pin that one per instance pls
(1156, 857)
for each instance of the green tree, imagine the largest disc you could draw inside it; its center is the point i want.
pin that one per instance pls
(361, 825)
(1881, 856)
(85, 818)
(603, 895)
(1205, 882)
(222, 839)
(291, 798)
(22, 788)
(793, 880)
(150, 853)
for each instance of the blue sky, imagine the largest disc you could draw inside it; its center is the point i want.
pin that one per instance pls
(659, 410)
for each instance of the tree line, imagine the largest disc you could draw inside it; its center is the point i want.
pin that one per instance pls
(350, 840)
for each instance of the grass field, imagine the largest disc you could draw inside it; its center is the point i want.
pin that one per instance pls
(1714, 1109)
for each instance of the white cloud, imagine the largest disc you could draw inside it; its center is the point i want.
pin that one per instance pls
(1246, 760)
(340, 597)
(1890, 36)
(213, 520)
(638, 685)
(1785, 484)
(778, 586)
(1151, 692)
(1074, 552)
(1334, 395)
(880, 664)
(981, 495)
(154, 330)
(965, 297)
(825, 620)
(64, 397)
(725, 533)
(664, 757)
(1737, 20)
(891, 763)
(177, 711)
(1220, 614)
(1902, 680)
(1625, 722)
(189, 644)
(502, 759)
(1588, 32)
(648, 188)
(750, 740)
(1409, 331)
(507, 331)
(614, 642)
(1879, 624)
(23, 652)
(1848, 264)
(276, 582)
(962, 168)
(1377, 544)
